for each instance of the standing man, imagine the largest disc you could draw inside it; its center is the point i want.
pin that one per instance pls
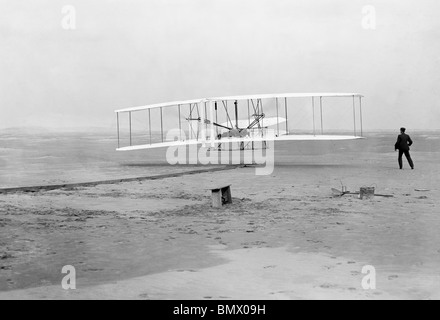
(403, 143)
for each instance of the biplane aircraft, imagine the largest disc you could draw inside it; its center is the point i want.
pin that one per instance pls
(211, 121)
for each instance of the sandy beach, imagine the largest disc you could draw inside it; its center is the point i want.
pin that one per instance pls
(285, 236)
(110, 112)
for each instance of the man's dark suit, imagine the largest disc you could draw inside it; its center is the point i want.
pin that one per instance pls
(403, 143)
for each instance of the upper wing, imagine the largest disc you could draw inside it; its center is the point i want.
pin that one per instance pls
(243, 97)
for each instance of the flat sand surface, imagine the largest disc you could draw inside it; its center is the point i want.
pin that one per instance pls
(285, 236)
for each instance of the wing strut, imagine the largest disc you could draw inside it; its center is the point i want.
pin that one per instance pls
(191, 129)
(149, 123)
(285, 106)
(354, 115)
(278, 119)
(117, 120)
(262, 122)
(320, 106)
(180, 123)
(161, 123)
(216, 117)
(313, 109)
(198, 113)
(129, 117)
(236, 113)
(360, 108)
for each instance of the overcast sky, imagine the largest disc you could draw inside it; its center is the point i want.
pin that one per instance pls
(130, 53)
